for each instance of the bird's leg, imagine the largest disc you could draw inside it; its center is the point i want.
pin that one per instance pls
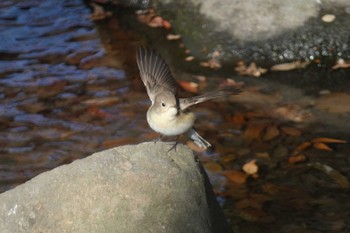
(175, 144)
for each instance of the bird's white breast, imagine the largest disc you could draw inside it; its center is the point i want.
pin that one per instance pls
(170, 123)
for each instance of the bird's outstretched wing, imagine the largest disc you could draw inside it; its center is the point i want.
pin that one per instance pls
(187, 102)
(154, 72)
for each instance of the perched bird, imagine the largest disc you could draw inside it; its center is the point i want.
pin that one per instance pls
(169, 115)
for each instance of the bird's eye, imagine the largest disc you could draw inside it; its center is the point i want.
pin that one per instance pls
(163, 104)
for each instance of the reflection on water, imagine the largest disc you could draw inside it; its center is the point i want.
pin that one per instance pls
(52, 109)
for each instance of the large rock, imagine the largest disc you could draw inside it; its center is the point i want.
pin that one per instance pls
(139, 188)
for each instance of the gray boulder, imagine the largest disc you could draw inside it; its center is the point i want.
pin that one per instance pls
(139, 188)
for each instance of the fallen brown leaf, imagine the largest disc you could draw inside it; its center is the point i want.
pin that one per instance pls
(328, 140)
(189, 58)
(189, 86)
(322, 146)
(296, 158)
(301, 147)
(251, 168)
(341, 63)
(290, 66)
(252, 69)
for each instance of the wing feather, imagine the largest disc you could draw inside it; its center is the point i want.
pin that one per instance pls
(154, 72)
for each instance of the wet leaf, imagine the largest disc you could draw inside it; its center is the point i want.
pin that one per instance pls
(189, 86)
(322, 146)
(296, 158)
(271, 133)
(251, 168)
(301, 147)
(328, 140)
(291, 131)
(237, 177)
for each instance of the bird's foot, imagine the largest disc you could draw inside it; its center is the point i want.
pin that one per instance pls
(173, 147)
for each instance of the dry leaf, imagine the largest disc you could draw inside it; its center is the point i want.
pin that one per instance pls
(290, 66)
(211, 63)
(291, 131)
(173, 37)
(296, 158)
(271, 133)
(237, 177)
(189, 58)
(251, 168)
(328, 140)
(252, 69)
(189, 86)
(328, 18)
(341, 63)
(322, 146)
(301, 147)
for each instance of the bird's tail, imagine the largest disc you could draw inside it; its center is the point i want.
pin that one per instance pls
(201, 142)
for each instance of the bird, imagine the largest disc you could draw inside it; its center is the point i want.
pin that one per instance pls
(169, 115)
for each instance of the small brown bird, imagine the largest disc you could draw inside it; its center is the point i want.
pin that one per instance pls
(169, 115)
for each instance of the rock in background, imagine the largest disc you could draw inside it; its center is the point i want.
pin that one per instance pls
(266, 31)
(130, 189)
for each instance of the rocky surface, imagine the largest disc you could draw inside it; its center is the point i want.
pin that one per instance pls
(141, 188)
(265, 31)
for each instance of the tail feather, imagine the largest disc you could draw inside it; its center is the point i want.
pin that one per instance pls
(201, 142)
